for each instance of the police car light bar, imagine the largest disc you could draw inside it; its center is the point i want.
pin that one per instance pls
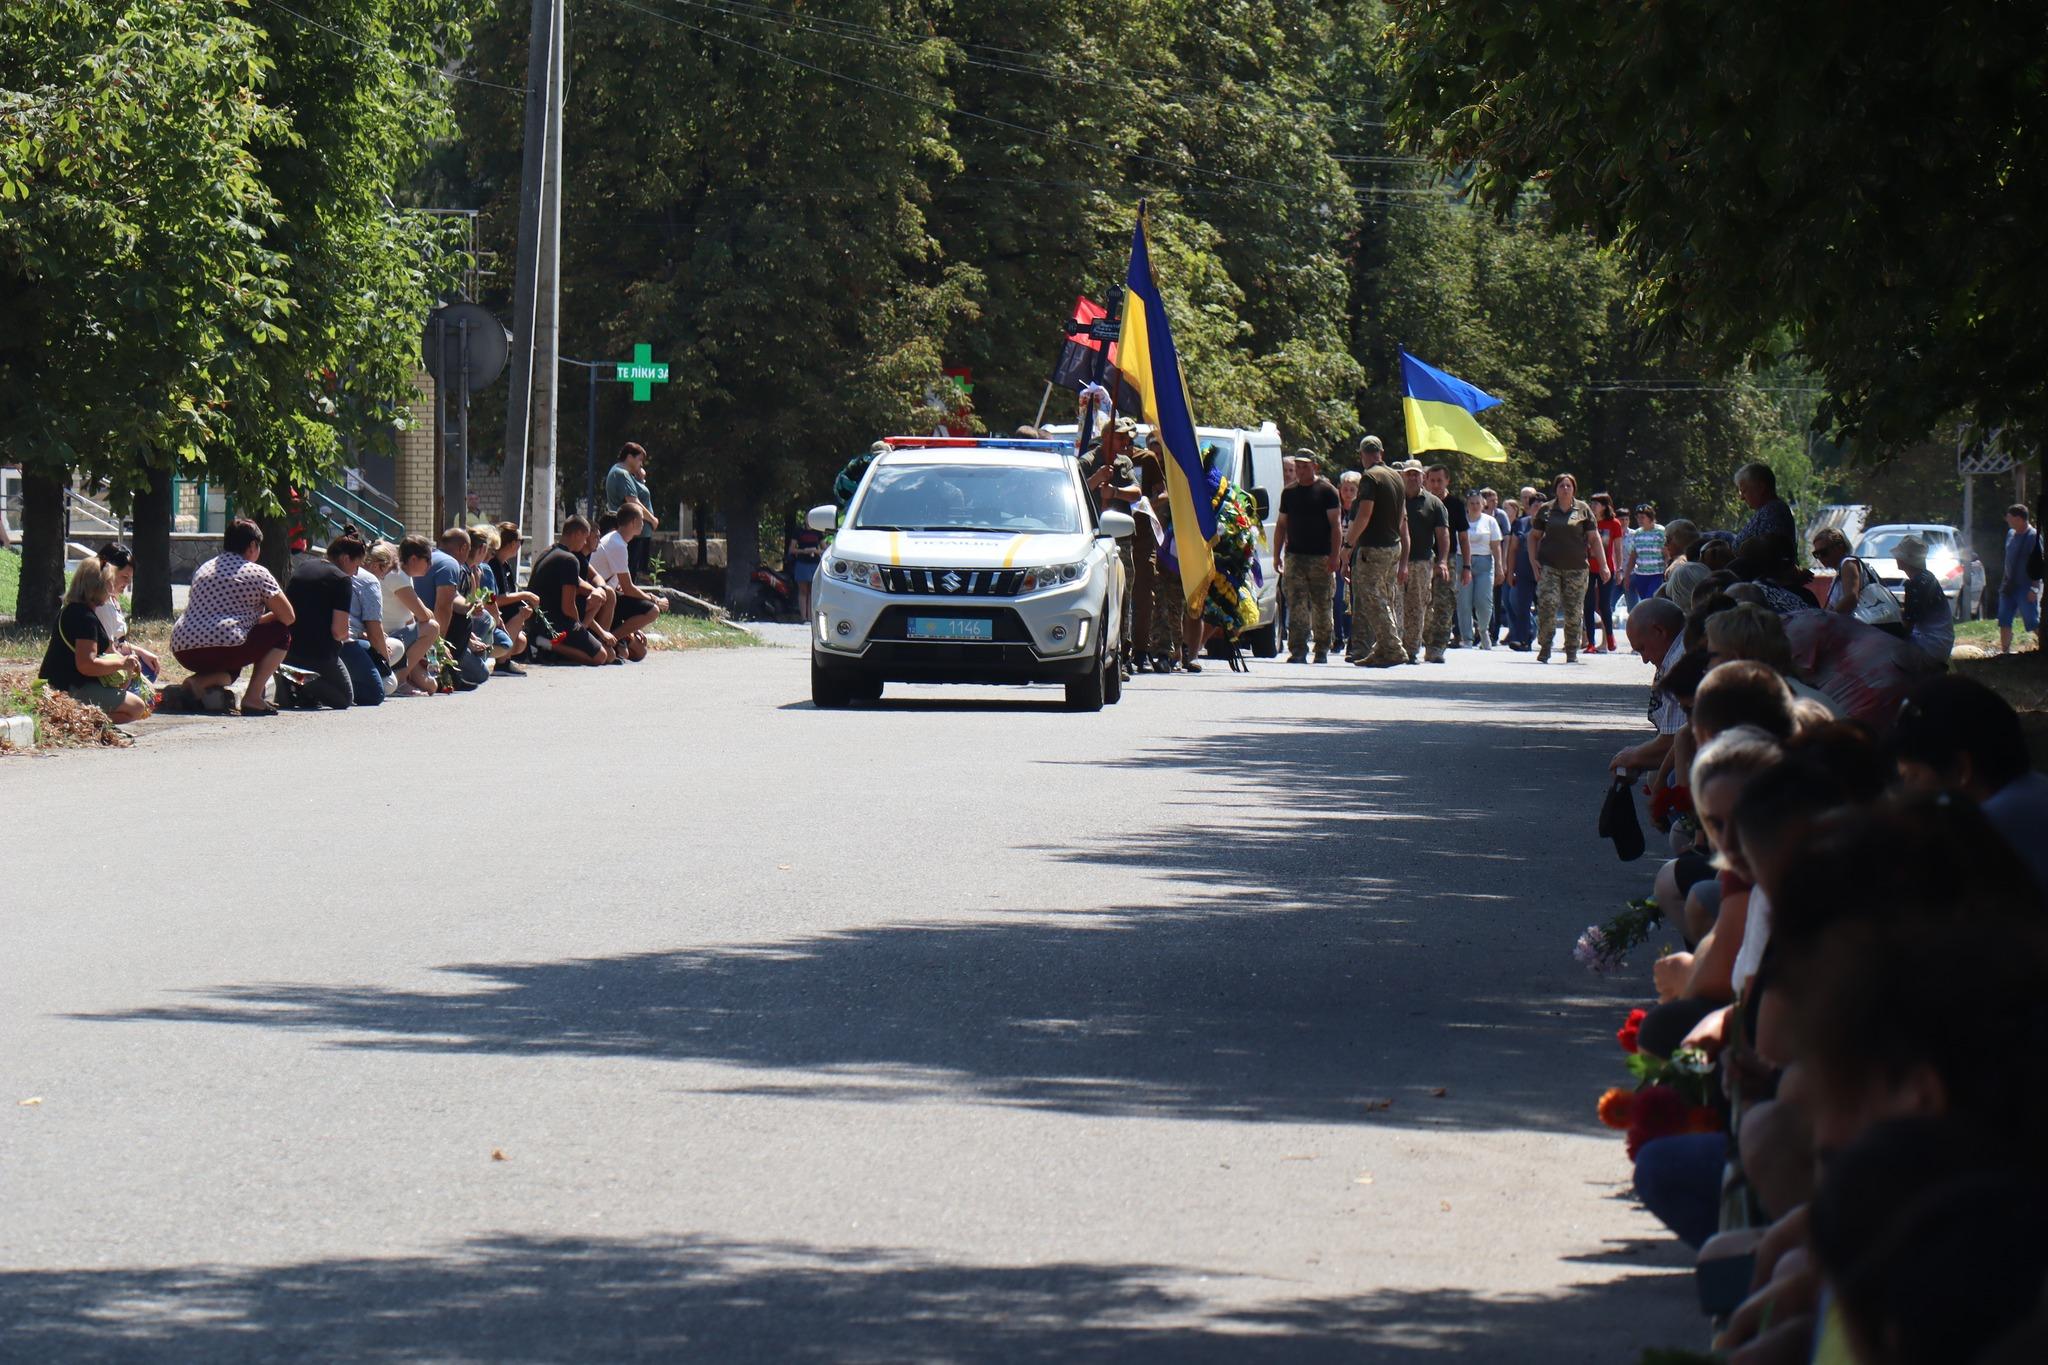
(972, 443)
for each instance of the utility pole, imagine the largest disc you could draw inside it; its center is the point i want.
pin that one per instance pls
(547, 373)
(542, 113)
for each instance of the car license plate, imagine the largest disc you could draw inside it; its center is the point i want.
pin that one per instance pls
(950, 628)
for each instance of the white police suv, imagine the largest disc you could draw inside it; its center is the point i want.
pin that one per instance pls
(964, 560)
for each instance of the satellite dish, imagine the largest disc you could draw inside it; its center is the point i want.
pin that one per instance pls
(489, 345)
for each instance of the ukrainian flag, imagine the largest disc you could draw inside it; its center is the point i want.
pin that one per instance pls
(1439, 410)
(1146, 355)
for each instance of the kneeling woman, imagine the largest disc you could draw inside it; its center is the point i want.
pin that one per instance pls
(82, 662)
(237, 618)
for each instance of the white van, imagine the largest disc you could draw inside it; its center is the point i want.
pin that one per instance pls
(1250, 458)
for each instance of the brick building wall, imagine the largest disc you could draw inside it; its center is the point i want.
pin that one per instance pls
(415, 466)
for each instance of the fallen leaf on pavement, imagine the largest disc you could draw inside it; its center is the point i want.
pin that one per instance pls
(1365, 1179)
(1374, 1106)
(1444, 1205)
(498, 1154)
(33, 1099)
(1440, 1092)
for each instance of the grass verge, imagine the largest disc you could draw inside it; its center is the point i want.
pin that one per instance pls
(10, 581)
(695, 632)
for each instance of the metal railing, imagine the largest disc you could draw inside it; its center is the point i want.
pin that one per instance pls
(368, 508)
(97, 515)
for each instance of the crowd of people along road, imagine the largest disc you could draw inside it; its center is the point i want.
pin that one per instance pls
(1388, 566)
(1859, 874)
(363, 622)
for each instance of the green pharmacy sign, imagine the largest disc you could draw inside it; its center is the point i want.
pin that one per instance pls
(642, 371)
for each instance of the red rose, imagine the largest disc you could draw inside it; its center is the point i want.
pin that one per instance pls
(1629, 1030)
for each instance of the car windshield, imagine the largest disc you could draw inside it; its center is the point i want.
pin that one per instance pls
(1880, 544)
(954, 497)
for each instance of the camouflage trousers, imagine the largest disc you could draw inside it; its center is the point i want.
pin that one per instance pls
(1308, 584)
(1415, 605)
(1560, 593)
(1167, 626)
(1374, 610)
(1360, 642)
(1443, 610)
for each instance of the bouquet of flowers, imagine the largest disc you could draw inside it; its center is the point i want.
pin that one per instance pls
(1237, 529)
(1668, 1098)
(441, 666)
(1604, 948)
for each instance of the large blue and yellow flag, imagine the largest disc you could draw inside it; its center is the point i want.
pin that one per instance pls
(1148, 360)
(1439, 410)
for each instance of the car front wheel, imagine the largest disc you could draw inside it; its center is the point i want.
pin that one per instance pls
(1090, 690)
(829, 693)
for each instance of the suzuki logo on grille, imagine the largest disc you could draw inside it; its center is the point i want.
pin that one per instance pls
(951, 582)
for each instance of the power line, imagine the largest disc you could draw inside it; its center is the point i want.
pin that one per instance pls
(952, 111)
(825, 26)
(387, 51)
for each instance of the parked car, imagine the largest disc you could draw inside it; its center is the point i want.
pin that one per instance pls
(964, 560)
(1949, 559)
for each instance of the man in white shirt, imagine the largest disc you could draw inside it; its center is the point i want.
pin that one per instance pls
(611, 562)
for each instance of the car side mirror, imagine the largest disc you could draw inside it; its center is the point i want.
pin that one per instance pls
(1262, 500)
(825, 518)
(1118, 524)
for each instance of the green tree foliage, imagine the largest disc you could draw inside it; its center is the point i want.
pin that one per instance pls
(132, 260)
(1208, 112)
(766, 234)
(200, 260)
(1538, 317)
(1871, 175)
(358, 97)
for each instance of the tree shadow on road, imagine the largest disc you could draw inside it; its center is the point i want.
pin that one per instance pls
(1384, 943)
(531, 1299)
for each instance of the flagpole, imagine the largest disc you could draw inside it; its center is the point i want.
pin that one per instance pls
(1038, 422)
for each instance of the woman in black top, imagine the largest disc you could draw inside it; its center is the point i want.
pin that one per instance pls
(81, 661)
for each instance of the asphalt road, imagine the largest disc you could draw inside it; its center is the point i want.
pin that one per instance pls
(1237, 1022)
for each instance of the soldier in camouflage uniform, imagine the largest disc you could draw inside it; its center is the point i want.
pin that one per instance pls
(1113, 480)
(1564, 545)
(1428, 560)
(1378, 542)
(1443, 592)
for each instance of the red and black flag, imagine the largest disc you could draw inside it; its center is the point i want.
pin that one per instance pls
(1082, 352)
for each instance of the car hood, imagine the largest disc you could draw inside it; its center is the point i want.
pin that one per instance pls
(961, 549)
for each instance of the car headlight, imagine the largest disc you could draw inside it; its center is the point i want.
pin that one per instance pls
(853, 571)
(1051, 576)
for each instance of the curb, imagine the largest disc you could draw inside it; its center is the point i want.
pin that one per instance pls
(19, 731)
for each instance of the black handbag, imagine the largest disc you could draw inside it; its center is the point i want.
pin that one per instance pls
(1618, 821)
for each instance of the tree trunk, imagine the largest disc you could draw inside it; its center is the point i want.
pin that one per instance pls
(155, 508)
(742, 545)
(43, 533)
(277, 535)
